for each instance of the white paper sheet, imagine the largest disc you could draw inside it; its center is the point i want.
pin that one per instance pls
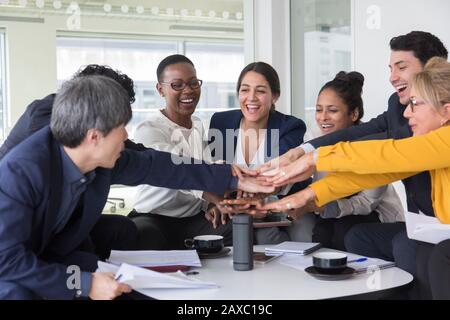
(140, 278)
(424, 228)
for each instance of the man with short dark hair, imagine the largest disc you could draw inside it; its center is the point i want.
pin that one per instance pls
(54, 185)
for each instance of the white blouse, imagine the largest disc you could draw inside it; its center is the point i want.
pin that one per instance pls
(160, 133)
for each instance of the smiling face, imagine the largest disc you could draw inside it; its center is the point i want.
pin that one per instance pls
(179, 104)
(256, 97)
(422, 116)
(332, 113)
(403, 65)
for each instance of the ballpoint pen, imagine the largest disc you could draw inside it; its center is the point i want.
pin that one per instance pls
(357, 260)
(117, 277)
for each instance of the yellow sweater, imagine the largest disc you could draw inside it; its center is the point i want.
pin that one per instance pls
(367, 164)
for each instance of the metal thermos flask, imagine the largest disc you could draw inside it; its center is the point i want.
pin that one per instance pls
(242, 242)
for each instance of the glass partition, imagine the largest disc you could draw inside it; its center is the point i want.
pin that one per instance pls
(322, 45)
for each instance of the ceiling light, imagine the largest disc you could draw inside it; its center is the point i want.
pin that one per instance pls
(140, 9)
(40, 3)
(155, 10)
(57, 4)
(184, 12)
(107, 7)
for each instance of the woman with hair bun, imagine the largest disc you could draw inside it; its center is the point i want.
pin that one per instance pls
(340, 106)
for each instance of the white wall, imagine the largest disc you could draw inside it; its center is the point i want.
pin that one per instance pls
(31, 70)
(373, 31)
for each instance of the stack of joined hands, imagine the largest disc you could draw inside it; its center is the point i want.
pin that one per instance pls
(294, 166)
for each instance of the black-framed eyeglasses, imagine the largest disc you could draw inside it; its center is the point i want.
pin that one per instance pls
(179, 85)
(413, 103)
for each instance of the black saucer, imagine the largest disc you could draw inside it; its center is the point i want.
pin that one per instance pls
(222, 253)
(344, 274)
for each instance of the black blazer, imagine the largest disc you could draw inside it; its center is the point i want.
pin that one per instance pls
(291, 133)
(394, 126)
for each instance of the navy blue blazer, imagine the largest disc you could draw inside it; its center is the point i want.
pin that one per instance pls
(395, 126)
(30, 182)
(291, 134)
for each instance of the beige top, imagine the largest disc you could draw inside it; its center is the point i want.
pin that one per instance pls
(160, 133)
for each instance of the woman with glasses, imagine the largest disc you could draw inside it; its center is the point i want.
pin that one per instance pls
(255, 134)
(366, 164)
(166, 217)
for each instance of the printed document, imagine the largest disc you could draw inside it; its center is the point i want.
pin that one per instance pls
(425, 228)
(140, 278)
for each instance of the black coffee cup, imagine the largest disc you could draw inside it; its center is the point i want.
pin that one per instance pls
(205, 243)
(330, 262)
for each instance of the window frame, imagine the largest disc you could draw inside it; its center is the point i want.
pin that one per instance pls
(179, 42)
(4, 98)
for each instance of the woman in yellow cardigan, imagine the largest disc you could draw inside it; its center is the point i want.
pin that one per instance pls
(367, 164)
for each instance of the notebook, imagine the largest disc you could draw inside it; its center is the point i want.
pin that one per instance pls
(293, 247)
(158, 260)
(363, 264)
